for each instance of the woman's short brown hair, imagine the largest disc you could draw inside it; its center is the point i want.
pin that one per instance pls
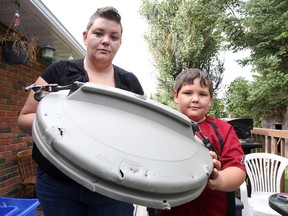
(109, 13)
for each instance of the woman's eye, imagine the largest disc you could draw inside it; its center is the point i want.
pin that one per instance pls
(98, 34)
(114, 38)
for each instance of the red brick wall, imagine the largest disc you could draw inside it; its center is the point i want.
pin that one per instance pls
(13, 79)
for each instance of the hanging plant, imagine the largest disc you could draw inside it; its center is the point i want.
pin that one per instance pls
(17, 47)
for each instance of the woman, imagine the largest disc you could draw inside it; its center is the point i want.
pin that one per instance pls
(57, 193)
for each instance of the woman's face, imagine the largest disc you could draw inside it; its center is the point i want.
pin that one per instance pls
(194, 100)
(102, 40)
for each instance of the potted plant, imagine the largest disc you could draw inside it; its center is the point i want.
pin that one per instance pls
(16, 46)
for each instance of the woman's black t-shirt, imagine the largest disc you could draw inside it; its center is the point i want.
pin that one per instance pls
(67, 72)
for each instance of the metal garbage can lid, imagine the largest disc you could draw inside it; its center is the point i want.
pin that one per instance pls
(122, 145)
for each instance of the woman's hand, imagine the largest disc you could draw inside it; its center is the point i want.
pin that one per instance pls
(27, 114)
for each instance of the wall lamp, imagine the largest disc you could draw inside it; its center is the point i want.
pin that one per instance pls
(47, 53)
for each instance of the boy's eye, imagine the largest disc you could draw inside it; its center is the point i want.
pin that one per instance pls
(187, 93)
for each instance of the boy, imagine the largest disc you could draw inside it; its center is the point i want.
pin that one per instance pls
(193, 94)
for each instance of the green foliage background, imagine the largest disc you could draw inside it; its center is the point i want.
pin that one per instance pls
(191, 34)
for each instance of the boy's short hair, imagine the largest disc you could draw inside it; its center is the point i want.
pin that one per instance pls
(188, 76)
(109, 13)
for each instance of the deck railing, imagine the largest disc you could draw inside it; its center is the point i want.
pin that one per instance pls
(273, 141)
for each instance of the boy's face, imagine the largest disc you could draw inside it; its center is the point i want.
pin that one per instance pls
(193, 100)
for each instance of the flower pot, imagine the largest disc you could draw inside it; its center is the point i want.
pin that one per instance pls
(13, 57)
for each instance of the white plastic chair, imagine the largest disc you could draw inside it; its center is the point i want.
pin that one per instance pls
(264, 172)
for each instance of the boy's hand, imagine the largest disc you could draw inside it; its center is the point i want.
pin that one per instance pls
(212, 182)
